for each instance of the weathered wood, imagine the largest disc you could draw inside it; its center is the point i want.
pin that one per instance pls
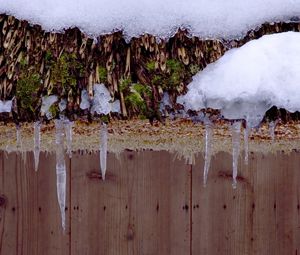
(260, 217)
(30, 218)
(151, 204)
(141, 208)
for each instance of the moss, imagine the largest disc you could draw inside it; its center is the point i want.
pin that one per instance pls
(65, 72)
(142, 89)
(104, 118)
(27, 90)
(135, 102)
(102, 74)
(124, 84)
(174, 65)
(150, 66)
(54, 110)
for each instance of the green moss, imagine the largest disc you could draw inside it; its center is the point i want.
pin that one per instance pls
(136, 102)
(104, 118)
(27, 89)
(65, 71)
(174, 65)
(142, 89)
(54, 110)
(124, 84)
(102, 74)
(150, 66)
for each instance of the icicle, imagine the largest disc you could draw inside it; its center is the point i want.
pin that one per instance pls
(246, 143)
(19, 138)
(61, 171)
(103, 149)
(272, 126)
(68, 131)
(37, 144)
(236, 133)
(208, 142)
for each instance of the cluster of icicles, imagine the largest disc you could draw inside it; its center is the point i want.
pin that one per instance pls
(63, 131)
(236, 133)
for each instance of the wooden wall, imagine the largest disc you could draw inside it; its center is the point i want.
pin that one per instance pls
(151, 203)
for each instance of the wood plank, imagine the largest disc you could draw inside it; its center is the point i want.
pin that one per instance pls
(260, 217)
(141, 208)
(30, 220)
(220, 224)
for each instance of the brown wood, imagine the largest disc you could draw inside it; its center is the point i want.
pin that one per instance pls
(30, 218)
(151, 203)
(141, 208)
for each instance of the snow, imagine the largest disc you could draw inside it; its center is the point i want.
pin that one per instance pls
(5, 106)
(101, 102)
(47, 101)
(204, 18)
(247, 81)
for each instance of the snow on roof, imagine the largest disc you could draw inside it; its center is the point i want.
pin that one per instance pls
(205, 18)
(247, 81)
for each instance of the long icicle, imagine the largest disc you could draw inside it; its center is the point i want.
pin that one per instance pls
(246, 143)
(37, 144)
(236, 133)
(207, 157)
(61, 171)
(68, 125)
(103, 149)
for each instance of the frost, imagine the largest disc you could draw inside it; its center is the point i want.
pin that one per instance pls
(115, 106)
(204, 18)
(208, 152)
(61, 171)
(37, 144)
(5, 106)
(47, 101)
(103, 149)
(236, 133)
(165, 102)
(247, 81)
(68, 125)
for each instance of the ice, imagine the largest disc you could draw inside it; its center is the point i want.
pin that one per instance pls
(247, 131)
(68, 125)
(19, 137)
(47, 101)
(208, 152)
(101, 102)
(37, 144)
(272, 126)
(103, 149)
(247, 81)
(5, 106)
(204, 18)
(85, 100)
(61, 170)
(236, 137)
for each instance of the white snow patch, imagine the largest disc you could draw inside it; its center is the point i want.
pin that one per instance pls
(246, 82)
(204, 18)
(47, 101)
(101, 102)
(5, 106)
